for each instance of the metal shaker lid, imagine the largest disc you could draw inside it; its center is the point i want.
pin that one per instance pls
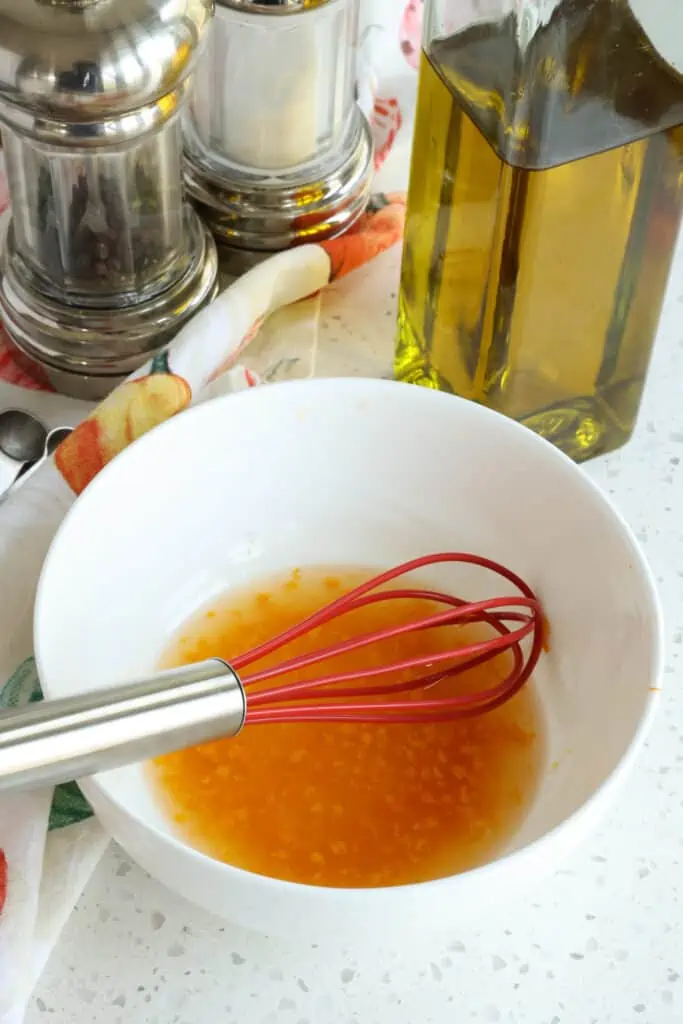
(66, 62)
(274, 6)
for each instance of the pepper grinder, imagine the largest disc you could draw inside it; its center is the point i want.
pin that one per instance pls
(277, 151)
(102, 261)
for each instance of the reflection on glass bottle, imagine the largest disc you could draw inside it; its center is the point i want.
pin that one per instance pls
(545, 200)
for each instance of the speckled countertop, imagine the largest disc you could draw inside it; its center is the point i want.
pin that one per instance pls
(600, 943)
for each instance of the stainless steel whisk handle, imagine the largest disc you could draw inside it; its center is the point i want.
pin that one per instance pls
(56, 741)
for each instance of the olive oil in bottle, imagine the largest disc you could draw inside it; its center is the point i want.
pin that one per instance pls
(545, 199)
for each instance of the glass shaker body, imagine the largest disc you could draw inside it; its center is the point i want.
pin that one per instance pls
(277, 151)
(544, 209)
(274, 93)
(99, 225)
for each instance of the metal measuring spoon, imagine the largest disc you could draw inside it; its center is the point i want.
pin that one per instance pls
(54, 439)
(22, 435)
(51, 442)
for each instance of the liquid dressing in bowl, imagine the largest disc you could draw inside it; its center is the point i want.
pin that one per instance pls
(349, 805)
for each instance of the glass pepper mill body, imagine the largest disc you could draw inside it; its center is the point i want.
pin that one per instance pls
(101, 226)
(102, 261)
(544, 207)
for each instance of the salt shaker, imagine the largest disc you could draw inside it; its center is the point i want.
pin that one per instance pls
(102, 260)
(277, 151)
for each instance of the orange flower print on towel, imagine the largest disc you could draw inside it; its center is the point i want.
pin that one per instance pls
(410, 32)
(12, 372)
(230, 360)
(380, 227)
(386, 123)
(135, 407)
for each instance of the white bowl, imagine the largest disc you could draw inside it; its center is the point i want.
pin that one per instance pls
(361, 472)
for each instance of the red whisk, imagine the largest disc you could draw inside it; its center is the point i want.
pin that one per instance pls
(338, 701)
(57, 740)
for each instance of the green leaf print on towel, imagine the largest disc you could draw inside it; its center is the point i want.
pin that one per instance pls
(23, 687)
(68, 803)
(160, 363)
(68, 806)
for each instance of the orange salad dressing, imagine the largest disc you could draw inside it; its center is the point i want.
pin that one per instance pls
(349, 804)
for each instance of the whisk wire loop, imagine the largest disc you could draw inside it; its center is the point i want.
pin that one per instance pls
(335, 700)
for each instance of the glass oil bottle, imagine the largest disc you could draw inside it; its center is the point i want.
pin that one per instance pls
(544, 207)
